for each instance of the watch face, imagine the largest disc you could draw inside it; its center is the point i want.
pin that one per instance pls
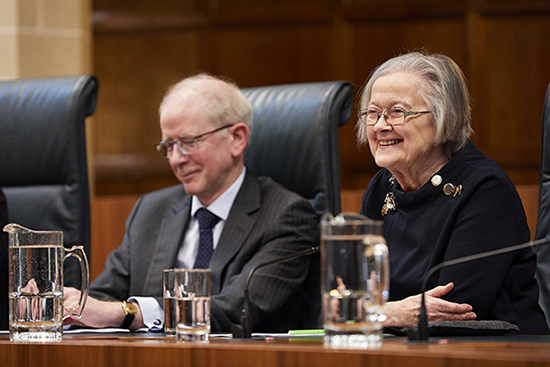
(131, 308)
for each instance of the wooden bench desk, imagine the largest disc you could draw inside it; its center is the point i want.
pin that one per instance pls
(135, 350)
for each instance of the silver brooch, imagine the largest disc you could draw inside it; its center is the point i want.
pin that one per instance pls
(389, 204)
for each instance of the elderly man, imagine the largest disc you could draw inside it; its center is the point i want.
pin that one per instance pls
(206, 123)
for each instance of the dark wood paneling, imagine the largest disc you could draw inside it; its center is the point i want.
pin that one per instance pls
(515, 8)
(508, 86)
(149, 7)
(269, 55)
(141, 47)
(240, 12)
(517, 73)
(391, 10)
(134, 71)
(108, 218)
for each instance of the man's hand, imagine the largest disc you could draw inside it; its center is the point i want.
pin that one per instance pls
(405, 313)
(96, 313)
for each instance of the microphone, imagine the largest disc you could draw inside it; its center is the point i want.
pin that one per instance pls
(244, 331)
(423, 332)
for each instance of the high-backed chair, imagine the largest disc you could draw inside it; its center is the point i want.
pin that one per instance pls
(4, 262)
(43, 165)
(294, 138)
(543, 216)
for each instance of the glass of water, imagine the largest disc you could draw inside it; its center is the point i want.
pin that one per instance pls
(187, 304)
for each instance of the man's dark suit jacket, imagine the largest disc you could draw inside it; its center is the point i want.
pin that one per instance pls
(266, 222)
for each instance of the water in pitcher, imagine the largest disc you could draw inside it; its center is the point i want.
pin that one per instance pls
(36, 306)
(36, 283)
(36, 316)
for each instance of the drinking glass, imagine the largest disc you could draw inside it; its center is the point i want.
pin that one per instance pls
(187, 304)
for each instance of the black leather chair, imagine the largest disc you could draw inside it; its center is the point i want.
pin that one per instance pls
(294, 138)
(43, 165)
(4, 273)
(543, 217)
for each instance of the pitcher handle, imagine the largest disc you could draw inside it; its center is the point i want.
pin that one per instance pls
(80, 254)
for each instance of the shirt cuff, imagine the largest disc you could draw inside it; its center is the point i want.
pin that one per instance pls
(151, 311)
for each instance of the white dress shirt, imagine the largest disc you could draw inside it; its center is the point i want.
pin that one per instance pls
(152, 312)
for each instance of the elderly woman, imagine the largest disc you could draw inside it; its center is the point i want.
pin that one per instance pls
(440, 198)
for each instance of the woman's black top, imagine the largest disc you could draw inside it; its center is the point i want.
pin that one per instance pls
(475, 208)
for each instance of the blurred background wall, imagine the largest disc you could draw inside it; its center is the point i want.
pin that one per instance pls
(141, 46)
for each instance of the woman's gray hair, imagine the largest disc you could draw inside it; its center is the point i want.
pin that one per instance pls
(445, 91)
(220, 98)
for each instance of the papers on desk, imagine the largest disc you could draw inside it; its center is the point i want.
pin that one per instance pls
(84, 330)
(292, 334)
(89, 330)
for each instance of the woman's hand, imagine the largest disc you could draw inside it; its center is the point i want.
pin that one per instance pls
(405, 313)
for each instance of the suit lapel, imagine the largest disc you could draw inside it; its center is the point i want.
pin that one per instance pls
(236, 230)
(169, 240)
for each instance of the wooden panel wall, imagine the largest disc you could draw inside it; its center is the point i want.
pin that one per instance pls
(142, 46)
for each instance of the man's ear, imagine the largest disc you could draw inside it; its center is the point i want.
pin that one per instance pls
(239, 133)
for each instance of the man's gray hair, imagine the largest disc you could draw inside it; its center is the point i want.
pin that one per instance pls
(221, 98)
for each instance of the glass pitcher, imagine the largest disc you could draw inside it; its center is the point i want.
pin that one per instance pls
(36, 283)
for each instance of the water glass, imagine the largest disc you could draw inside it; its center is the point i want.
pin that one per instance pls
(187, 304)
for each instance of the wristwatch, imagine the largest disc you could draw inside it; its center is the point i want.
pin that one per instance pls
(130, 309)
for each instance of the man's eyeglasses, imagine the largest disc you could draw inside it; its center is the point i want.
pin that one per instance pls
(394, 116)
(186, 144)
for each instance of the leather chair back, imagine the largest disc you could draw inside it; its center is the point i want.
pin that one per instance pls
(543, 216)
(43, 165)
(294, 141)
(294, 138)
(4, 271)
